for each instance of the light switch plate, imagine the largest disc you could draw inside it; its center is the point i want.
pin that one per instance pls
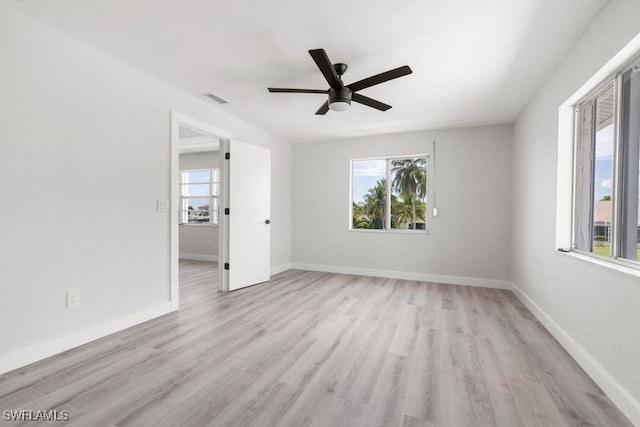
(163, 205)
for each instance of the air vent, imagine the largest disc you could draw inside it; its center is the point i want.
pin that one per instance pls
(216, 99)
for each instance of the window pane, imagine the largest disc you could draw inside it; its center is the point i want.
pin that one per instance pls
(215, 210)
(195, 190)
(630, 142)
(198, 209)
(369, 200)
(603, 174)
(594, 174)
(409, 193)
(196, 176)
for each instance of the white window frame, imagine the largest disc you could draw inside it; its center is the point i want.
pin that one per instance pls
(614, 79)
(213, 172)
(388, 198)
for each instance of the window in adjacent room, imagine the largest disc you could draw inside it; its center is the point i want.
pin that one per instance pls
(389, 194)
(607, 157)
(199, 196)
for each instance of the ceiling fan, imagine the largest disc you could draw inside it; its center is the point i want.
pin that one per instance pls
(341, 95)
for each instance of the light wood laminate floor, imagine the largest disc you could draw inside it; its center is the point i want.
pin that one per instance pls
(320, 349)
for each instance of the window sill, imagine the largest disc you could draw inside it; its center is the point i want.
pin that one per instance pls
(198, 225)
(618, 266)
(414, 232)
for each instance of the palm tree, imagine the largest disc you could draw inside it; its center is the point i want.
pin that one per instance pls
(375, 202)
(394, 214)
(359, 217)
(410, 180)
(409, 209)
(362, 221)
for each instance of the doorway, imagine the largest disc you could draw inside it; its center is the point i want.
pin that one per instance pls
(198, 206)
(197, 178)
(205, 196)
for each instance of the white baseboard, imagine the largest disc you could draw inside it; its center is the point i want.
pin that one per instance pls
(199, 257)
(28, 355)
(405, 275)
(280, 268)
(618, 395)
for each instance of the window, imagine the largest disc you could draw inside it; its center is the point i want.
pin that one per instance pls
(607, 157)
(389, 194)
(199, 196)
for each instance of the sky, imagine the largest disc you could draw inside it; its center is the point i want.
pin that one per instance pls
(604, 162)
(365, 175)
(199, 188)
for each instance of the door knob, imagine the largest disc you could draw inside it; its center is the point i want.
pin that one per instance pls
(266, 221)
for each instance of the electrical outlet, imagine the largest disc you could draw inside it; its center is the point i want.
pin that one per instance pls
(73, 298)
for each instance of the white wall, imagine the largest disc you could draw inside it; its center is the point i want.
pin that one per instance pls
(199, 241)
(84, 155)
(592, 310)
(467, 242)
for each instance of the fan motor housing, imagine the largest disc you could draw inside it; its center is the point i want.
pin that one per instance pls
(340, 95)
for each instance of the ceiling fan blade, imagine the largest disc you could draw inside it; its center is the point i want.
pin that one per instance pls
(283, 90)
(324, 64)
(365, 100)
(323, 109)
(380, 78)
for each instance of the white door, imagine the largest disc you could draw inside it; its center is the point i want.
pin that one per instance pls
(249, 215)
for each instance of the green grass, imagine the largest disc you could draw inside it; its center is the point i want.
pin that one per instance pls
(602, 250)
(605, 250)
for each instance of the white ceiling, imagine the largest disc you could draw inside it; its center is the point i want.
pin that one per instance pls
(192, 141)
(474, 61)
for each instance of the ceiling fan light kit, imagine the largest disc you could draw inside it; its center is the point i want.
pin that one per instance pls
(339, 94)
(339, 99)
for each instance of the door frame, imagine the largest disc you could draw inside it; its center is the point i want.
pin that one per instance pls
(225, 137)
